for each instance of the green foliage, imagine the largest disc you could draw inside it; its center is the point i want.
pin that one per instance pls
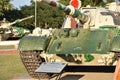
(45, 15)
(12, 15)
(5, 5)
(65, 2)
(25, 12)
(49, 15)
(95, 2)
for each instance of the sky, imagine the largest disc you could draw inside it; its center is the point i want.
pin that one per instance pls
(18, 3)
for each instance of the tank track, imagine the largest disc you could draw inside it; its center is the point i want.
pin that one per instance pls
(31, 61)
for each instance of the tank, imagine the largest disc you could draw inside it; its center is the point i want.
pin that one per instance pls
(7, 31)
(95, 42)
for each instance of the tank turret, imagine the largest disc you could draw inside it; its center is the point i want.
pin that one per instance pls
(6, 29)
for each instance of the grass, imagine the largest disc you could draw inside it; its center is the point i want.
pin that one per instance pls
(11, 66)
(7, 47)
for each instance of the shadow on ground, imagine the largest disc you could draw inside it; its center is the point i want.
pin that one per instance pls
(71, 77)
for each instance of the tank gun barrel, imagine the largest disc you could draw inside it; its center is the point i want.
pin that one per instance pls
(68, 10)
(26, 18)
(20, 20)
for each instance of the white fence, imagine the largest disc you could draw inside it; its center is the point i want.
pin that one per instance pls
(9, 42)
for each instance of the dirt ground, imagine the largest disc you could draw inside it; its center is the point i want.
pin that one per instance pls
(76, 76)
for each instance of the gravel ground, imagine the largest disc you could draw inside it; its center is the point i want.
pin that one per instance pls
(76, 76)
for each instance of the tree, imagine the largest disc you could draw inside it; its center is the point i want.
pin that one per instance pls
(46, 15)
(25, 12)
(50, 15)
(5, 5)
(95, 2)
(65, 2)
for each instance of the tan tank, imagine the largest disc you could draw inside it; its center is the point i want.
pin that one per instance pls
(6, 29)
